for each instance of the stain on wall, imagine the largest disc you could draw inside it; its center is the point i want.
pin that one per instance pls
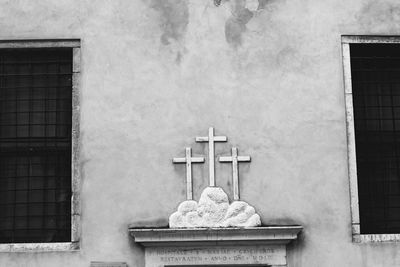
(242, 12)
(235, 26)
(377, 15)
(174, 16)
(150, 222)
(262, 4)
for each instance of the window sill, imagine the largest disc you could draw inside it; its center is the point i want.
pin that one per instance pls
(367, 238)
(39, 247)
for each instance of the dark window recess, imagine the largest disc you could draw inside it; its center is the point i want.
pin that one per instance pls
(375, 70)
(35, 145)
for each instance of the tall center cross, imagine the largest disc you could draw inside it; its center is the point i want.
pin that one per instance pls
(188, 159)
(211, 158)
(235, 159)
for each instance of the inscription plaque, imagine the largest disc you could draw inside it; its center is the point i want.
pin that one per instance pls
(230, 255)
(218, 247)
(107, 264)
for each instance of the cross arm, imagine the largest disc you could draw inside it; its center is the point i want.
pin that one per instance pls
(202, 139)
(199, 159)
(179, 160)
(220, 138)
(216, 139)
(244, 158)
(225, 159)
(184, 160)
(239, 158)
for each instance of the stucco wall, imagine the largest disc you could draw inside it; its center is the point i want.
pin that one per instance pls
(157, 73)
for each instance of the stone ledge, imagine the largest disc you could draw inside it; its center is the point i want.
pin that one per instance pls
(270, 235)
(40, 247)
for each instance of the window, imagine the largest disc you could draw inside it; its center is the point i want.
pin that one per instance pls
(37, 147)
(372, 84)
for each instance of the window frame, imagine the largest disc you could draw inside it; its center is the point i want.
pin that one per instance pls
(351, 147)
(74, 244)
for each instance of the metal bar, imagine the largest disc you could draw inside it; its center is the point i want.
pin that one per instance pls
(15, 170)
(35, 74)
(30, 171)
(9, 62)
(35, 87)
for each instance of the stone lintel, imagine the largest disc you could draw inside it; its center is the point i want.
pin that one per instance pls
(162, 237)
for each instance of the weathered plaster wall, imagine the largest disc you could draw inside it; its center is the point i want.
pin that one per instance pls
(157, 73)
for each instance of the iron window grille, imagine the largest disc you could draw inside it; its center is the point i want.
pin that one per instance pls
(35, 145)
(375, 72)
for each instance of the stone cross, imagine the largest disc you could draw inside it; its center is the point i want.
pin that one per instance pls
(211, 139)
(188, 159)
(235, 159)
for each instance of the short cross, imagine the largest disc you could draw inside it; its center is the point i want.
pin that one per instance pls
(235, 159)
(211, 139)
(188, 160)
